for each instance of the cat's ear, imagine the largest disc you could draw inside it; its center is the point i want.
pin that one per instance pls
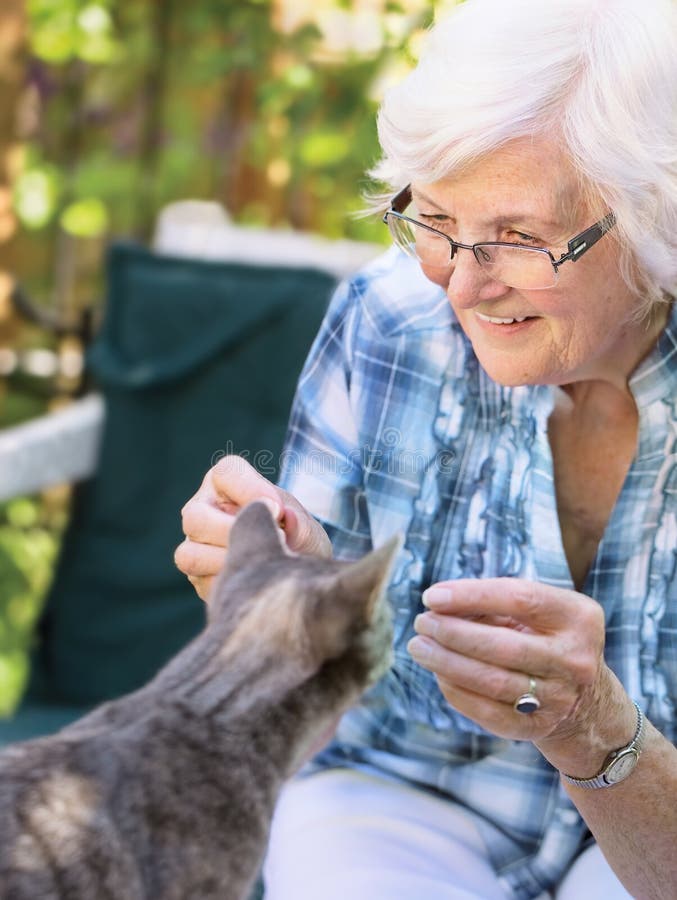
(351, 598)
(366, 579)
(254, 536)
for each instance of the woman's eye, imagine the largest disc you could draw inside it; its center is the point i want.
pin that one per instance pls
(521, 238)
(438, 221)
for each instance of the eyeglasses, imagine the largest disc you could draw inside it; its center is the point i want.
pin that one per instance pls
(515, 265)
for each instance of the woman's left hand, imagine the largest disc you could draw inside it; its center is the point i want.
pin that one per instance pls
(484, 639)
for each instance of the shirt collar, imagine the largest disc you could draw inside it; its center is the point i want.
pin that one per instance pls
(655, 378)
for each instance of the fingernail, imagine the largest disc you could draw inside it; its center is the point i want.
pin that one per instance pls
(419, 649)
(272, 506)
(436, 596)
(424, 623)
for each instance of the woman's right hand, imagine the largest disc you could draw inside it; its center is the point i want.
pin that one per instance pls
(209, 515)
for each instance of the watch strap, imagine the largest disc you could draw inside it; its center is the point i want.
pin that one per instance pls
(600, 780)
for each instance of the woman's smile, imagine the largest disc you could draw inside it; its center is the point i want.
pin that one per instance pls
(585, 326)
(503, 320)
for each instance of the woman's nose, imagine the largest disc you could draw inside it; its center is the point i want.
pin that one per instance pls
(470, 284)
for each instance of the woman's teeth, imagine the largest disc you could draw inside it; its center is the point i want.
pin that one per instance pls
(496, 320)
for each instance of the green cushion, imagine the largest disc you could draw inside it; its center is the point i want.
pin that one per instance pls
(35, 719)
(195, 359)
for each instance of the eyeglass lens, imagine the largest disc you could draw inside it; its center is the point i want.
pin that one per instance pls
(520, 267)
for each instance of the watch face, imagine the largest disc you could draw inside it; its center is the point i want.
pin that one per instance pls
(621, 767)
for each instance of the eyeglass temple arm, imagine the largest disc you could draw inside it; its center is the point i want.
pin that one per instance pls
(580, 244)
(400, 201)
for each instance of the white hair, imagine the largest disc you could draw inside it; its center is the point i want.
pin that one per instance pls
(600, 75)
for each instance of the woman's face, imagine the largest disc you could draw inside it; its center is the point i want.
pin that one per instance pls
(581, 329)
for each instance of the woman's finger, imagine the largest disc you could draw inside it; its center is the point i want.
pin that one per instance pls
(502, 685)
(487, 694)
(235, 483)
(498, 718)
(521, 651)
(198, 560)
(542, 607)
(206, 524)
(302, 532)
(203, 586)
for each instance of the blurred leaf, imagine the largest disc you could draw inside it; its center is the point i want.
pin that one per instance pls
(27, 554)
(106, 176)
(13, 677)
(324, 148)
(94, 20)
(67, 29)
(14, 580)
(96, 43)
(55, 38)
(85, 218)
(22, 512)
(299, 77)
(35, 195)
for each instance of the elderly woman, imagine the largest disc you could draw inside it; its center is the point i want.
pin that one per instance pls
(501, 386)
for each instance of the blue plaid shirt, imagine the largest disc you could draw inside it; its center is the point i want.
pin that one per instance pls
(396, 427)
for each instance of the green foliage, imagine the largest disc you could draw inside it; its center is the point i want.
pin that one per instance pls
(85, 218)
(28, 545)
(36, 194)
(144, 103)
(137, 104)
(68, 29)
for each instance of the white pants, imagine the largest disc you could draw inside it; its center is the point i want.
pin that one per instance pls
(345, 835)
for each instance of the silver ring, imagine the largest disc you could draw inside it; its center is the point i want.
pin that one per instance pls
(528, 703)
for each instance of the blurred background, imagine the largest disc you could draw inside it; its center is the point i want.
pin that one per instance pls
(111, 109)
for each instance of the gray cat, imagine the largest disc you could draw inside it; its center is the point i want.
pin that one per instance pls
(167, 794)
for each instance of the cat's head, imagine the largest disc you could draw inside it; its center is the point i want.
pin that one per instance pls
(304, 609)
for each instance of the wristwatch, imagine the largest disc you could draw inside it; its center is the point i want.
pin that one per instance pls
(619, 764)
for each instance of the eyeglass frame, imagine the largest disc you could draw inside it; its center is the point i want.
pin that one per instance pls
(576, 247)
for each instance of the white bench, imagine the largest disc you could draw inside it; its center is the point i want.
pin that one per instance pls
(62, 446)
